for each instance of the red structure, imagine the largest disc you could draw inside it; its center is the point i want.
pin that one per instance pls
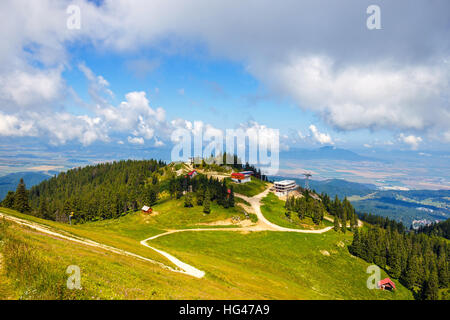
(147, 209)
(238, 175)
(386, 284)
(192, 174)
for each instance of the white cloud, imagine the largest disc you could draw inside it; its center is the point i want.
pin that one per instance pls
(30, 89)
(322, 138)
(338, 71)
(136, 140)
(370, 96)
(134, 115)
(158, 143)
(11, 125)
(98, 86)
(64, 127)
(411, 140)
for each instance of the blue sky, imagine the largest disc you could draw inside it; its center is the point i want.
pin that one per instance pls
(134, 72)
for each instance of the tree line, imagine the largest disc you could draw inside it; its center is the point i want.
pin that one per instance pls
(94, 192)
(441, 229)
(342, 211)
(231, 161)
(383, 222)
(305, 206)
(201, 191)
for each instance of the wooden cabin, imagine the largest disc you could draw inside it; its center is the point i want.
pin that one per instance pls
(146, 209)
(386, 284)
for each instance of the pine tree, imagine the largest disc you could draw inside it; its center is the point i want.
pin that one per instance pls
(151, 196)
(8, 202)
(231, 198)
(344, 221)
(431, 287)
(21, 203)
(207, 202)
(394, 259)
(353, 221)
(188, 200)
(336, 223)
(411, 272)
(356, 246)
(43, 208)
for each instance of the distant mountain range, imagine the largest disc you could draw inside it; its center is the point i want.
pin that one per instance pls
(326, 153)
(332, 187)
(10, 181)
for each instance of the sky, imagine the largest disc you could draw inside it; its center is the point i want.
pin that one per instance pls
(135, 71)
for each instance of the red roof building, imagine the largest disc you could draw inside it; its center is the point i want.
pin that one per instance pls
(237, 175)
(192, 174)
(386, 284)
(147, 209)
(240, 177)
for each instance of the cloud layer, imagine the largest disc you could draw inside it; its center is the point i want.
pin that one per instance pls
(317, 53)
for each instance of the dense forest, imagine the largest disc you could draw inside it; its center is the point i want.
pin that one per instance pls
(419, 261)
(383, 222)
(201, 191)
(228, 161)
(342, 211)
(305, 206)
(109, 190)
(94, 192)
(441, 229)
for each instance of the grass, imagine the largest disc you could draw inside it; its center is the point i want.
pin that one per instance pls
(42, 273)
(274, 211)
(127, 231)
(249, 189)
(238, 265)
(276, 265)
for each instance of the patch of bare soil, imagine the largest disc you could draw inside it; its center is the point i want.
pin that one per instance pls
(225, 222)
(325, 253)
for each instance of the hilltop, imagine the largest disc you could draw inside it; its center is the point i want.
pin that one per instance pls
(206, 238)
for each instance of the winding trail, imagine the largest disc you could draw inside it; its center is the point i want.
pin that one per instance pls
(46, 230)
(266, 224)
(262, 225)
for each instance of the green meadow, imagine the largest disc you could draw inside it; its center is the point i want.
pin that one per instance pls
(239, 264)
(249, 189)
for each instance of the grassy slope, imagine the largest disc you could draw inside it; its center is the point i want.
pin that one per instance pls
(126, 232)
(238, 266)
(274, 211)
(106, 275)
(275, 265)
(249, 189)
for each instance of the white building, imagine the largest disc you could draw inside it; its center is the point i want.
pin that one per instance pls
(283, 187)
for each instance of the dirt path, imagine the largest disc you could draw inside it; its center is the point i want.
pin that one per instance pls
(266, 224)
(87, 242)
(261, 225)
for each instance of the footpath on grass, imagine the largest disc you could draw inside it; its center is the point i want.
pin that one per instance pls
(261, 225)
